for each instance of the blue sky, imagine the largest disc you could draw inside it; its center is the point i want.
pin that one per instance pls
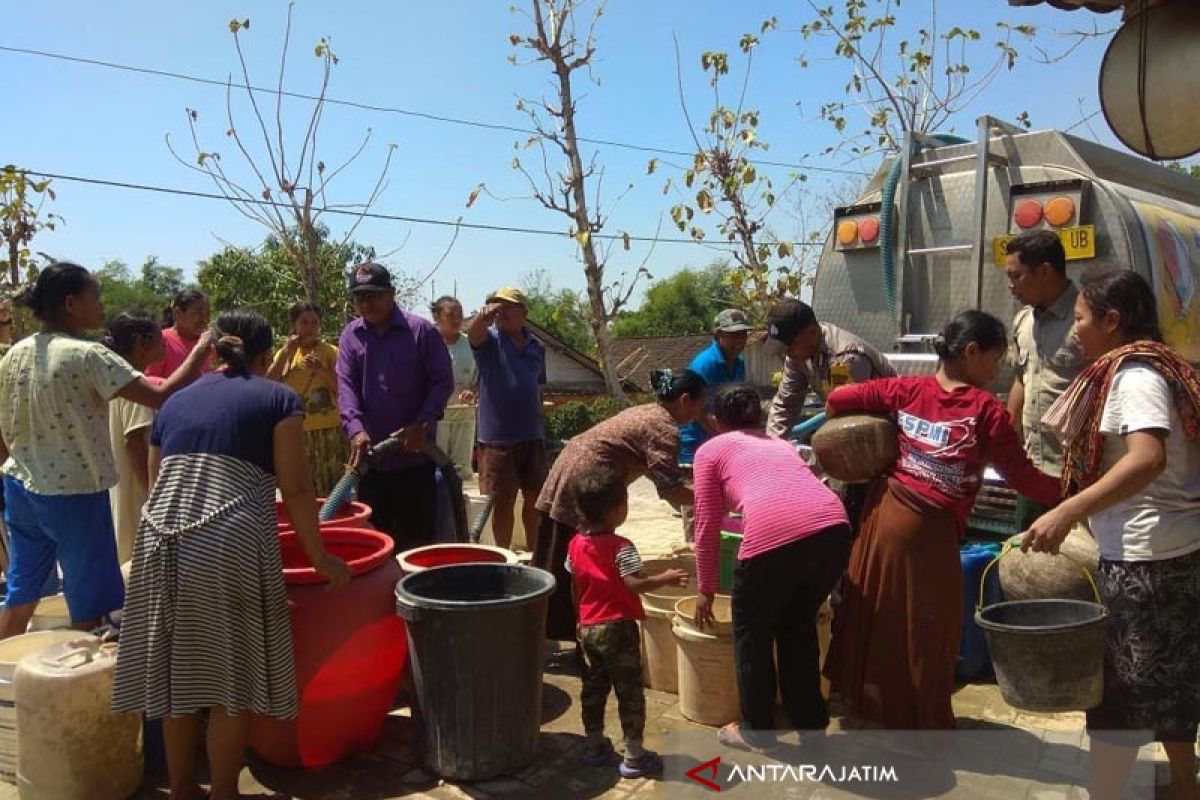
(447, 58)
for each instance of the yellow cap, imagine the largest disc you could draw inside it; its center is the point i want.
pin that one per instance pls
(509, 294)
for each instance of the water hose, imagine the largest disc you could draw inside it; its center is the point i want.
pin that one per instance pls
(887, 256)
(340, 494)
(808, 427)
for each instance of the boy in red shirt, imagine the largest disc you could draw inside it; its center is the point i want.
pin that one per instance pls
(606, 577)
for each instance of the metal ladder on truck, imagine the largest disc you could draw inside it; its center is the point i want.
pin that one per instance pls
(995, 505)
(914, 169)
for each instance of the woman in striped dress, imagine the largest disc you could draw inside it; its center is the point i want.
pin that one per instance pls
(206, 624)
(795, 543)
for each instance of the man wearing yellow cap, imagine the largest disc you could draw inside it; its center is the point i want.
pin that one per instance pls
(511, 364)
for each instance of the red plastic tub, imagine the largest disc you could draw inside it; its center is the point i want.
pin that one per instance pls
(440, 555)
(351, 515)
(350, 651)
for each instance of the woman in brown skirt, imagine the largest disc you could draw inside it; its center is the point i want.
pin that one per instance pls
(896, 634)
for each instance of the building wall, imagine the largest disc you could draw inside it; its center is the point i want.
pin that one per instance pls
(563, 370)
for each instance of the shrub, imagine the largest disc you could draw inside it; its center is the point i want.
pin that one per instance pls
(573, 418)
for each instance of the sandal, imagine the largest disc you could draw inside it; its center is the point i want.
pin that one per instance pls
(731, 736)
(650, 763)
(602, 755)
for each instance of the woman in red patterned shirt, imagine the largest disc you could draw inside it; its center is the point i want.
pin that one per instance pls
(896, 634)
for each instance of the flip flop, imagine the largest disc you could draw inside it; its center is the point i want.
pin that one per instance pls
(731, 736)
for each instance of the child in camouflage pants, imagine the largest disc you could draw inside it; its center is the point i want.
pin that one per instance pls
(606, 577)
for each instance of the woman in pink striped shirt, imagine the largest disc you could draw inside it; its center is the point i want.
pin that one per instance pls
(795, 544)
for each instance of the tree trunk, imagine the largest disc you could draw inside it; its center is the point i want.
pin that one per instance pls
(14, 278)
(593, 270)
(312, 266)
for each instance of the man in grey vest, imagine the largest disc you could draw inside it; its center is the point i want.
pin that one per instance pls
(818, 356)
(1045, 352)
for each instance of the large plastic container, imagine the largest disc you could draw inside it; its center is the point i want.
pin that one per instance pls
(51, 614)
(475, 633)
(660, 666)
(730, 544)
(1048, 654)
(441, 555)
(72, 746)
(350, 652)
(351, 515)
(974, 661)
(708, 691)
(12, 650)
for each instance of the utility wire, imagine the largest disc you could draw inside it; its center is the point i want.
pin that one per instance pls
(143, 187)
(389, 109)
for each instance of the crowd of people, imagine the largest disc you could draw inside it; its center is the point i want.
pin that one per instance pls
(94, 478)
(1102, 426)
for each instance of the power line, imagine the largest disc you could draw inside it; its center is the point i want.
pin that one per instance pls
(389, 109)
(143, 187)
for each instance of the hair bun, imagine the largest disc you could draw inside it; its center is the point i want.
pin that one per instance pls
(661, 381)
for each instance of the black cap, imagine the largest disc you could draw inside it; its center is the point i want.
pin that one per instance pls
(370, 277)
(784, 321)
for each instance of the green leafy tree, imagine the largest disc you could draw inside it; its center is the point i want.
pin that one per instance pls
(150, 292)
(680, 304)
(267, 280)
(22, 201)
(559, 310)
(724, 184)
(899, 83)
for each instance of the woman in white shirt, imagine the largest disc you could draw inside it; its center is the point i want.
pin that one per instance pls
(1130, 425)
(456, 431)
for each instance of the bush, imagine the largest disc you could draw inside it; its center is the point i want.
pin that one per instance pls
(573, 418)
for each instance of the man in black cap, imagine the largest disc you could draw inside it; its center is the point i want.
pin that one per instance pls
(394, 375)
(818, 356)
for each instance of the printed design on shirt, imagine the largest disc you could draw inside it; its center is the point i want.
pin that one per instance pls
(930, 451)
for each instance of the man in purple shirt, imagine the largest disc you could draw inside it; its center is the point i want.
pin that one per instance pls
(394, 374)
(511, 365)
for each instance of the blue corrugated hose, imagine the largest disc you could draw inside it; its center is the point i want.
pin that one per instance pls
(808, 427)
(340, 493)
(887, 256)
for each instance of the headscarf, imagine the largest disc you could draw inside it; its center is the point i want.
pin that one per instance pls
(1075, 416)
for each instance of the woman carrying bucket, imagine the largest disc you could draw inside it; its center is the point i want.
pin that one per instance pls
(795, 541)
(206, 627)
(640, 441)
(896, 634)
(1130, 426)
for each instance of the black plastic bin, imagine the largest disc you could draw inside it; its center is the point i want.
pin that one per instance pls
(475, 646)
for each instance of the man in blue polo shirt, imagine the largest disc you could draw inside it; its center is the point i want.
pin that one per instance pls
(511, 364)
(719, 363)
